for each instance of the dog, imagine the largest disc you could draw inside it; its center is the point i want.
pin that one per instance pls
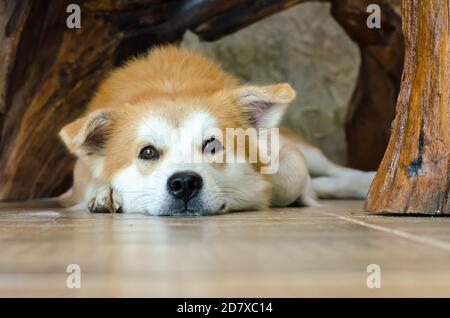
(135, 142)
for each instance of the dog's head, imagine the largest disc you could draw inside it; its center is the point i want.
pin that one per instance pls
(173, 154)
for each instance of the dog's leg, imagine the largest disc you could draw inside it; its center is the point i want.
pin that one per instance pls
(331, 180)
(335, 181)
(76, 195)
(349, 187)
(292, 183)
(104, 200)
(309, 195)
(320, 165)
(87, 191)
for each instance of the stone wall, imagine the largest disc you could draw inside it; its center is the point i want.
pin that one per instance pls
(307, 48)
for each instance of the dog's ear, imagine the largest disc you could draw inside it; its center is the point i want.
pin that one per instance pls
(87, 135)
(265, 106)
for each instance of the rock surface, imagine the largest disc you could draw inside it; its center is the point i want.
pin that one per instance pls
(307, 48)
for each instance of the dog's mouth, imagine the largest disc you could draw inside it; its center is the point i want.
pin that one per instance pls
(186, 211)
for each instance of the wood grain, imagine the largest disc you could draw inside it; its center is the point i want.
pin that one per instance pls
(372, 106)
(292, 252)
(414, 176)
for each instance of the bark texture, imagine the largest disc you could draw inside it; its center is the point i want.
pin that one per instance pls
(414, 176)
(372, 107)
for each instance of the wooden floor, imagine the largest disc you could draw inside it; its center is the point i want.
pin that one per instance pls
(286, 252)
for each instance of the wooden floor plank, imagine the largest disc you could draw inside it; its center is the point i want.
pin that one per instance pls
(283, 252)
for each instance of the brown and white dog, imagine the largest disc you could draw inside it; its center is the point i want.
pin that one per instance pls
(135, 144)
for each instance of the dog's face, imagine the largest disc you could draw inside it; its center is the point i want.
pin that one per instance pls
(173, 155)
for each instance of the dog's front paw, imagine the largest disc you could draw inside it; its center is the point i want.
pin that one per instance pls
(105, 200)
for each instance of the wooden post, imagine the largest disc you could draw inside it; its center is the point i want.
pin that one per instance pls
(414, 175)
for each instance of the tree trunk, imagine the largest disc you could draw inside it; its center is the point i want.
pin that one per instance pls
(414, 176)
(372, 107)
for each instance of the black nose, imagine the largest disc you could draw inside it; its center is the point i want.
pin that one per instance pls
(184, 185)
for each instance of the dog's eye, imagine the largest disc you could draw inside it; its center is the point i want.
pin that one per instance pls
(211, 146)
(149, 153)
